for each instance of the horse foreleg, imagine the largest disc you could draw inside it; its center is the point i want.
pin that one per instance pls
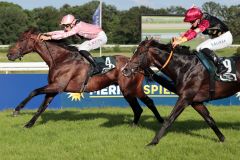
(137, 110)
(26, 100)
(47, 100)
(203, 111)
(177, 110)
(150, 104)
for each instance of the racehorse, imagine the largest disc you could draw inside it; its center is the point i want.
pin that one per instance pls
(67, 72)
(189, 76)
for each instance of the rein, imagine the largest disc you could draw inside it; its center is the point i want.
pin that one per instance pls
(168, 60)
(50, 54)
(39, 35)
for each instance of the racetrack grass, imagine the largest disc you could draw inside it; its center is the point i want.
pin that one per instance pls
(106, 134)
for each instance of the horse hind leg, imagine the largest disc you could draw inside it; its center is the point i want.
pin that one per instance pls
(137, 110)
(150, 104)
(203, 111)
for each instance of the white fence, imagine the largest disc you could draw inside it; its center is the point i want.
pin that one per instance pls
(28, 66)
(23, 66)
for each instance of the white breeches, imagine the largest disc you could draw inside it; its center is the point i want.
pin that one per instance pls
(95, 43)
(220, 42)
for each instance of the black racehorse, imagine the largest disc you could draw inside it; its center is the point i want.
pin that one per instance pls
(190, 77)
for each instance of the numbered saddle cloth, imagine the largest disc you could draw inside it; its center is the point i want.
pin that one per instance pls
(230, 75)
(106, 63)
(229, 63)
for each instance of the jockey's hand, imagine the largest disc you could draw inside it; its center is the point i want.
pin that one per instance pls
(45, 38)
(178, 40)
(175, 41)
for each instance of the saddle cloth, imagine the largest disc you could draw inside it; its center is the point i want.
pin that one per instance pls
(105, 63)
(229, 63)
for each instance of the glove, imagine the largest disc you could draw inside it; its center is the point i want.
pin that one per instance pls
(178, 40)
(44, 37)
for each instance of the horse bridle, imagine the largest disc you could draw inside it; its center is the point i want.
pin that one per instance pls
(137, 67)
(34, 42)
(138, 64)
(21, 48)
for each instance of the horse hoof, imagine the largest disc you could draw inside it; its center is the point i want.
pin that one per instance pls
(134, 125)
(222, 139)
(29, 125)
(151, 144)
(16, 113)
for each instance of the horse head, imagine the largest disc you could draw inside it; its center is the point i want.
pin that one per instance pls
(24, 45)
(141, 58)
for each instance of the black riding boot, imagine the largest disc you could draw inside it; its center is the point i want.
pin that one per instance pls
(90, 59)
(216, 60)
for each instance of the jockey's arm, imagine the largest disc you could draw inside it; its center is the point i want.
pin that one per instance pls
(54, 32)
(63, 34)
(191, 33)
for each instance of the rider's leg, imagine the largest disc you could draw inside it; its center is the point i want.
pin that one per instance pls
(90, 59)
(95, 43)
(216, 60)
(220, 42)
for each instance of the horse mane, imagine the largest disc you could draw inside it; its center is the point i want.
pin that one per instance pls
(182, 50)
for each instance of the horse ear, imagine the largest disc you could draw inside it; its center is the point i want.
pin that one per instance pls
(146, 38)
(149, 42)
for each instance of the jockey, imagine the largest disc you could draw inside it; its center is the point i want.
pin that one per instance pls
(72, 26)
(220, 36)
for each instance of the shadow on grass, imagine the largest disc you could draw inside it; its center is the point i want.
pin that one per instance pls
(114, 120)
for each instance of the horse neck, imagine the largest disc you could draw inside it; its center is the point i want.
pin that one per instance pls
(50, 53)
(176, 62)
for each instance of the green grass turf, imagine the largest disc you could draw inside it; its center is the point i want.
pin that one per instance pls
(106, 134)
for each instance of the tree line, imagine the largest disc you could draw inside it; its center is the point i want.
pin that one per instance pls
(122, 27)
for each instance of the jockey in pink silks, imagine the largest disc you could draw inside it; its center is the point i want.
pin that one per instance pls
(72, 26)
(220, 36)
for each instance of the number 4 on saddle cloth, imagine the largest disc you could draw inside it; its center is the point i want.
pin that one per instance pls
(228, 76)
(105, 63)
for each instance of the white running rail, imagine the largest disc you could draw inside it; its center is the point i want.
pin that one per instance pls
(23, 66)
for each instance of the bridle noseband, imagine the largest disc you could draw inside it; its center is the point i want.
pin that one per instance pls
(138, 66)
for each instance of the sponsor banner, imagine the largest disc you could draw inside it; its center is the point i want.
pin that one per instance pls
(16, 87)
(112, 96)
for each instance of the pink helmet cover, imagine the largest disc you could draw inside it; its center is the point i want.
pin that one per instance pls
(67, 19)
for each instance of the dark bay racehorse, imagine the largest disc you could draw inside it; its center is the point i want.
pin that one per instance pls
(67, 71)
(190, 78)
